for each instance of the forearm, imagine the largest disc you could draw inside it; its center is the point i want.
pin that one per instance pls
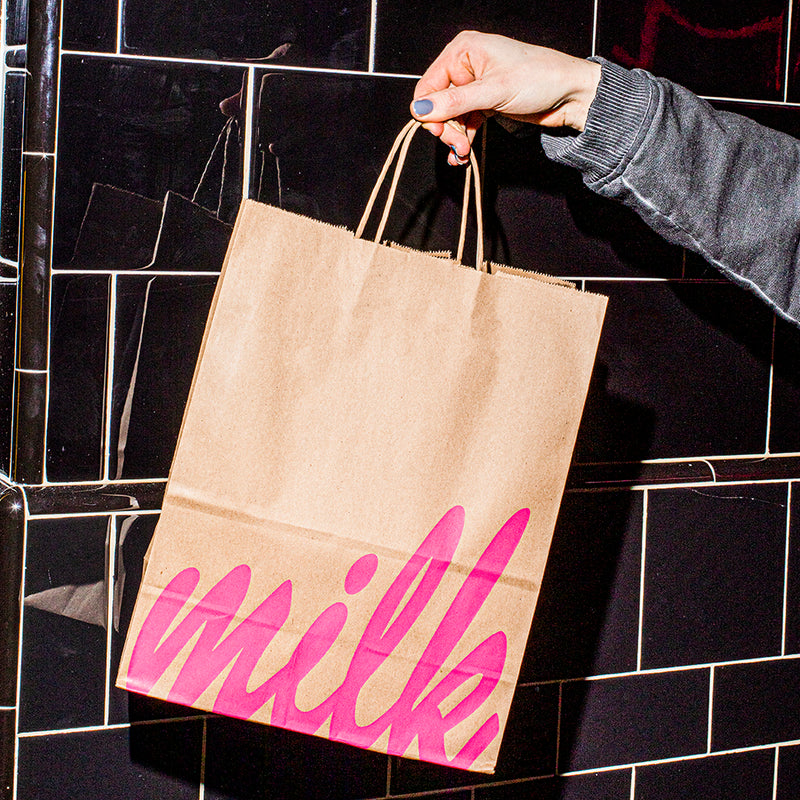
(716, 183)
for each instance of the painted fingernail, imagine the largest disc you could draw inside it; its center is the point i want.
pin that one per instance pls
(460, 159)
(423, 107)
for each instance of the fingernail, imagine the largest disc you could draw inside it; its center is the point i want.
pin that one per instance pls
(460, 159)
(423, 107)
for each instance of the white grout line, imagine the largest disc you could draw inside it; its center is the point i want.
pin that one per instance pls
(642, 557)
(111, 324)
(114, 726)
(788, 52)
(17, 733)
(140, 272)
(373, 27)
(633, 783)
(247, 134)
(120, 13)
(770, 385)
(595, 15)
(558, 724)
(202, 789)
(238, 64)
(111, 558)
(710, 705)
(775, 774)
(120, 513)
(786, 568)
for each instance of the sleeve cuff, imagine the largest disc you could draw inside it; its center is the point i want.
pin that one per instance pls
(617, 120)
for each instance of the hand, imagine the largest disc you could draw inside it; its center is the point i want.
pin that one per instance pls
(478, 75)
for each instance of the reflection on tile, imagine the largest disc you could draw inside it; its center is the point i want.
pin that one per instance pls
(682, 370)
(79, 309)
(611, 785)
(745, 776)
(700, 46)
(327, 33)
(144, 761)
(160, 324)
(586, 620)
(64, 638)
(630, 719)
(285, 764)
(89, 25)
(411, 34)
(528, 747)
(11, 166)
(16, 21)
(756, 704)
(12, 537)
(711, 553)
(146, 129)
(784, 431)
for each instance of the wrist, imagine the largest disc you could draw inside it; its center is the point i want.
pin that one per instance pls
(586, 80)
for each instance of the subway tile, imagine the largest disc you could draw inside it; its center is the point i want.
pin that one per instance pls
(745, 776)
(587, 614)
(756, 703)
(89, 25)
(160, 325)
(634, 718)
(7, 752)
(281, 763)
(700, 46)
(77, 389)
(11, 165)
(784, 431)
(610, 785)
(540, 216)
(792, 626)
(788, 773)
(793, 93)
(63, 634)
(528, 748)
(682, 371)
(144, 761)
(16, 12)
(714, 572)
(410, 35)
(7, 321)
(12, 536)
(142, 128)
(321, 34)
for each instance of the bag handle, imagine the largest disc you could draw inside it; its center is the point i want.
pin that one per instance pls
(402, 143)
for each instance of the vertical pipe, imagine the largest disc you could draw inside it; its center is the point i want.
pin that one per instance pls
(33, 293)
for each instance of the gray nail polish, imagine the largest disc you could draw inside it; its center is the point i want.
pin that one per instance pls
(423, 107)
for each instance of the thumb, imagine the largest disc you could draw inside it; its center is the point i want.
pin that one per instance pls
(451, 103)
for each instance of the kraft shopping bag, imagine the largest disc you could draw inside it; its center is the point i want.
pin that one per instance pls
(364, 491)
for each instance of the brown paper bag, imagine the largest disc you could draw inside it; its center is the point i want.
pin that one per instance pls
(363, 494)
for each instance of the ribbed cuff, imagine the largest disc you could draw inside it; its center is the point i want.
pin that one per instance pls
(615, 124)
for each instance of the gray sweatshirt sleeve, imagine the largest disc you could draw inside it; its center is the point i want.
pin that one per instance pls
(715, 182)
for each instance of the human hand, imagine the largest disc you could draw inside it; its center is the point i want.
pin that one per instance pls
(478, 75)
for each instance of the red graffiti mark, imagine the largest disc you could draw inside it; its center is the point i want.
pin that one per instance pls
(416, 714)
(658, 10)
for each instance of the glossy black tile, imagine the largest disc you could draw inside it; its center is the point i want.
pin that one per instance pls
(98, 498)
(324, 34)
(788, 773)
(28, 425)
(586, 620)
(63, 635)
(792, 633)
(142, 128)
(682, 371)
(700, 46)
(409, 35)
(794, 65)
(78, 353)
(611, 785)
(756, 703)
(714, 572)
(11, 165)
(784, 431)
(528, 747)
(745, 776)
(12, 532)
(160, 325)
(285, 764)
(7, 320)
(89, 25)
(144, 761)
(635, 718)
(7, 752)
(16, 22)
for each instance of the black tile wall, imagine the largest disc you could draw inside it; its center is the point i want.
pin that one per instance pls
(748, 776)
(696, 45)
(642, 717)
(671, 593)
(714, 574)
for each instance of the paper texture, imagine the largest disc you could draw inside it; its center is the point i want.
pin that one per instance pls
(363, 495)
